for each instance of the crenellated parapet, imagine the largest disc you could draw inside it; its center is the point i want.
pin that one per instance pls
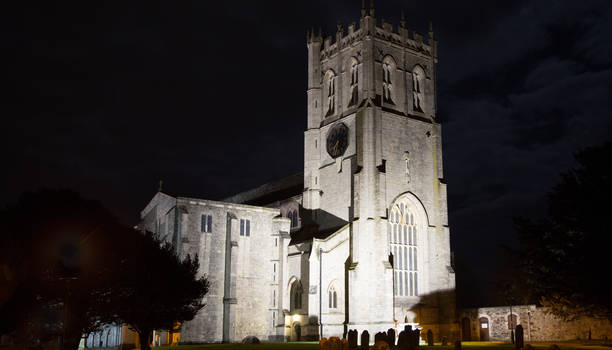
(368, 28)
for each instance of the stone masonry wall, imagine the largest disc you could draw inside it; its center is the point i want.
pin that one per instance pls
(538, 324)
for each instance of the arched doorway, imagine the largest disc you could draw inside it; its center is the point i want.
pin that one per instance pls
(296, 332)
(466, 329)
(484, 328)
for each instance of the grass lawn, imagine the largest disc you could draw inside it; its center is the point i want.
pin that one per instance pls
(315, 346)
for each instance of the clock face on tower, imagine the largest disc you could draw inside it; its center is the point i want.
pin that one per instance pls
(337, 140)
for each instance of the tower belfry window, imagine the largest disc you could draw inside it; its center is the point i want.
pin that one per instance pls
(331, 92)
(418, 77)
(354, 85)
(387, 82)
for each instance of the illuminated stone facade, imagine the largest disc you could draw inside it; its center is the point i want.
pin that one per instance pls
(360, 240)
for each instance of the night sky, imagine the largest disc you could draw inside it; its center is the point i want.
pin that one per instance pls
(210, 97)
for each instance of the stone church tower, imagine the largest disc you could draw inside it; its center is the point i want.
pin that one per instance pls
(373, 159)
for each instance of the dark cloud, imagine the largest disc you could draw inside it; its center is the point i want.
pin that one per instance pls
(210, 97)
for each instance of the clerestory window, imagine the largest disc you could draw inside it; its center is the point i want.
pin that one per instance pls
(206, 223)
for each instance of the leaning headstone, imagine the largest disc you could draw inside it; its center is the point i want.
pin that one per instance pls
(352, 338)
(430, 341)
(554, 347)
(518, 337)
(403, 343)
(365, 340)
(250, 340)
(391, 337)
(444, 341)
(458, 345)
(380, 336)
(381, 345)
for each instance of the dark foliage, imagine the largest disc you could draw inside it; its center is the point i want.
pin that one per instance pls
(59, 263)
(565, 256)
(67, 267)
(161, 290)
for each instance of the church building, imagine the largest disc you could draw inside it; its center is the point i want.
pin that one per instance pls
(360, 239)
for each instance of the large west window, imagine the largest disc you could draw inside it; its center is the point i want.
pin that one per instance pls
(403, 238)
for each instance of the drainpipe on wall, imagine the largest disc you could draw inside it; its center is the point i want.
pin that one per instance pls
(320, 292)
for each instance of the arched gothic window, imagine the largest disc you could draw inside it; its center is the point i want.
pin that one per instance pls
(403, 232)
(330, 81)
(294, 219)
(418, 77)
(354, 87)
(296, 295)
(290, 216)
(388, 70)
(333, 298)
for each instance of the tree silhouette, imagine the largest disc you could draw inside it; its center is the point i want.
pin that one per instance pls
(161, 290)
(59, 265)
(565, 255)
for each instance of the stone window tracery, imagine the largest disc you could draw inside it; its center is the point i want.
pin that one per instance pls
(330, 81)
(388, 70)
(354, 83)
(296, 295)
(418, 77)
(403, 247)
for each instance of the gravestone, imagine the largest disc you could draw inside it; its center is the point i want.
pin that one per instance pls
(529, 347)
(458, 345)
(444, 341)
(381, 345)
(380, 336)
(403, 343)
(365, 340)
(345, 344)
(391, 337)
(518, 337)
(554, 347)
(430, 339)
(416, 337)
(352, 338)
(250, 340)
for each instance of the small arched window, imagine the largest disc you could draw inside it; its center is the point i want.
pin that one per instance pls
(290, 216)
(418, 78)
(354, 82)
(333, 298)
(330, 86)
(388, 71)
(296, 295)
